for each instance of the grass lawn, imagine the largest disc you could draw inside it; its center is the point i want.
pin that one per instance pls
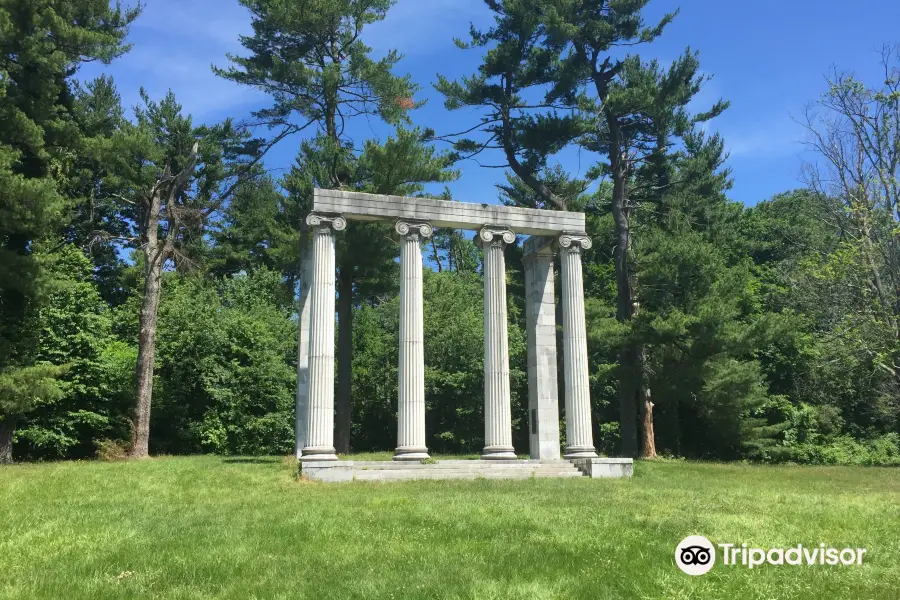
(213, 527)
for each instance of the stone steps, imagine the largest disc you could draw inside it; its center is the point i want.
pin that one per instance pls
(459, 474)
(459, 464)
(449, 469)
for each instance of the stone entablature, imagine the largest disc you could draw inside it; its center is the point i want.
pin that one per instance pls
(446, 213)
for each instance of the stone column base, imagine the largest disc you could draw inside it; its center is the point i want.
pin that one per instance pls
(318, 453)
(499, 453)
(596, 468)
(411, 453)
(573, 452)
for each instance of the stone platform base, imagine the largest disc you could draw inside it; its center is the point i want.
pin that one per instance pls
(335, 471)
(605, 467)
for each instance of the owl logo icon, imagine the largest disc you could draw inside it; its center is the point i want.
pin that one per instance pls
(695, 555)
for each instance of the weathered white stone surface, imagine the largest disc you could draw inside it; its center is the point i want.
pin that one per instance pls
(320, 419)
(498, 227)
(598, 468)
(497, 409)
(302, 406)
(344, 471)
(444, 213)
(579, 434)
(411, 384)
(540, 316)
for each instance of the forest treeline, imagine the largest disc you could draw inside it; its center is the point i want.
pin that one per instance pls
(149, 265)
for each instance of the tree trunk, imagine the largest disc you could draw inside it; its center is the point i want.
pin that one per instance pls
(628, 437)
(624, 295)
(877, 282)
(676, 419)
(436, 255)
(7, 428)
(648, 436)
(146, 360)
(343, 405)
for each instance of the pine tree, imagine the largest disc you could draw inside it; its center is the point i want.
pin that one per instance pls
(309, 57)
(626, 110)
(45, 42)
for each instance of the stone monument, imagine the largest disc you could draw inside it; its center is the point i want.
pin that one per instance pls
(552, 234)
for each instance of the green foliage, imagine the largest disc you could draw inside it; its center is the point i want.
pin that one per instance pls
(24, 389)
(111, 450)
(310, 58)
(44, 44)
(883, 451)
(141, 159)
(225, 371)
(454, 367)
(698, 321)
(831, 354)
(75, 332)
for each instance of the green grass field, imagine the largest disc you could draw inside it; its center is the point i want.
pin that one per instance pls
(212, 527)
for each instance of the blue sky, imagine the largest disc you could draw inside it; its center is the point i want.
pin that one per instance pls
(767, 57)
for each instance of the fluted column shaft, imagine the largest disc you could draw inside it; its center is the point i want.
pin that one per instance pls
(497, 410)
(302, 405)
(411, 372)
(320, 421)
(579, 434)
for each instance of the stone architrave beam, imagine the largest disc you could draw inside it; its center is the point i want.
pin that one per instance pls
(444, 213)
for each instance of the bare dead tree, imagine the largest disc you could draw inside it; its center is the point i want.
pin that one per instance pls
(854, 132)
(158, 206)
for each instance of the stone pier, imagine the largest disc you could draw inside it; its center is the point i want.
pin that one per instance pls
(540, 322)
(302, 410)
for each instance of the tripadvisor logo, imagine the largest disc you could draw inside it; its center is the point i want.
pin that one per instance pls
(696, 555)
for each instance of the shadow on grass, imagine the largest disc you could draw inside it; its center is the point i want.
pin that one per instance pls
(251, 461)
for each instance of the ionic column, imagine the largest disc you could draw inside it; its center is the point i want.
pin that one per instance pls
(302, 406)
(579, 434)
(320, 421)
(411, 374)
(497, 410)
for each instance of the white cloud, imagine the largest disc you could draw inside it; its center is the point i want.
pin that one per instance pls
(215, 22)
(174, 45)
(188, 74)
(779, 138)
(419, 27)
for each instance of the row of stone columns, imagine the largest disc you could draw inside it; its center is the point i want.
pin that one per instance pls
(315, 432)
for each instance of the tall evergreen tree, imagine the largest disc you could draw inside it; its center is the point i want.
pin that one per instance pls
(627, 110)
(44, 44)
(310, 58)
